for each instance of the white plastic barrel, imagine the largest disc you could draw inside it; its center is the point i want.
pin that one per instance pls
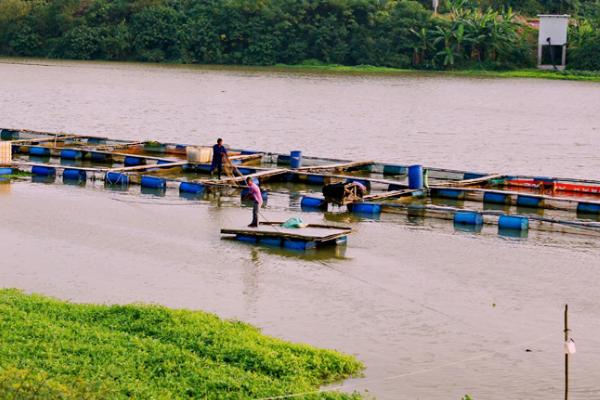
(198, 154)
(5, 153)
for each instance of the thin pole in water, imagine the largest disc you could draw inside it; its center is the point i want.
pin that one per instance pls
(566, 353)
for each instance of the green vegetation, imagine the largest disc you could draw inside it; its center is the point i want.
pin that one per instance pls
(53, 349)
(466, 34)
(16, 174)
(592, 76)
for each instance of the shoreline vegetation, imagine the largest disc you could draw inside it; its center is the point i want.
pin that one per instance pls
(592, 76)
(56, 349)
(494, 38)
(334, 69)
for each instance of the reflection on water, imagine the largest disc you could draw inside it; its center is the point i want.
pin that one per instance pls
(410, 296)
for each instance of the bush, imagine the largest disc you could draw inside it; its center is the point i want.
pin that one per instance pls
(586, 56)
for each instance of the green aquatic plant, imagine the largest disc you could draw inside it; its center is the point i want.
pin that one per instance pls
(55, 349)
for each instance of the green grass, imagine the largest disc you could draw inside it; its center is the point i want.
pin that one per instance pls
(53, 349)
(592, 76)
(15, 175)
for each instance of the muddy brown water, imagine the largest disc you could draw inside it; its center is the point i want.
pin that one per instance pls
(434, 312)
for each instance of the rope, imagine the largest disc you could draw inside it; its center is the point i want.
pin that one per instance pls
(412, 373)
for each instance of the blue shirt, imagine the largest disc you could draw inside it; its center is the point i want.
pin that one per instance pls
(218, 152)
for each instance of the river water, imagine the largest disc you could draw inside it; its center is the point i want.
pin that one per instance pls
(434, 313)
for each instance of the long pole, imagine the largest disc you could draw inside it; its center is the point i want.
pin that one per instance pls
(566, 353)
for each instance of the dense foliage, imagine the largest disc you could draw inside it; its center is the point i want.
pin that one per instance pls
(584, 47)
(52, 349)
(388, 33)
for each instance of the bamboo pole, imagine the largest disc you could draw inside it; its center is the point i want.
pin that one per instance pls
(566, 353)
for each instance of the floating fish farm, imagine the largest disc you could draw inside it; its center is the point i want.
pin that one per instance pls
(470, 200)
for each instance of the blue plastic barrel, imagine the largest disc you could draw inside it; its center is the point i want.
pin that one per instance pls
(246, 238)
(70, 154)
(473, 175)
(190, 187)
(316, 179)
(468, 218)
(312, 202)
(297, 244)
(283, 159)
(153, 182)
(529, 201)
(270, 241)
(96, 140)
(74, 175)
(365, 208)
(7, 134)
(295, 159)
(448, 193)
(115, 178)
(588, 208)
(6, 171)
(39, 151)
(133, 161)
(394, 170)
(99, 157)
(495, 198)
(415, 177)
(513, 222)
(544, 179)
(43, 171)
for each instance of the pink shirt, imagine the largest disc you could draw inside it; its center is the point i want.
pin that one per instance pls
(255, 192)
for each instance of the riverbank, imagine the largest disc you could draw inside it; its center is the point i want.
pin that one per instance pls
(368, 70)
(52, 348)
(591, 76)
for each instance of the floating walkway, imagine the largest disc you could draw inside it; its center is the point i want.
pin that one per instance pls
(519, 202)
(273, 234)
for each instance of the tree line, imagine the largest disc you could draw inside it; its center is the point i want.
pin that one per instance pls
(390, 33)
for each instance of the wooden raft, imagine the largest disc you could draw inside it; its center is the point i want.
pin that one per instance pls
(273, 234)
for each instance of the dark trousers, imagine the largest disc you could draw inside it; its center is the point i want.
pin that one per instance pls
(219, 168)
(255, 214)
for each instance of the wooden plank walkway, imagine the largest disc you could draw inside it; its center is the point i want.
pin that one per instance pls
(246, 157)
(351, 177)
(260, 174)
(57, 166)
(336, 167)
(95, 149)
(148, 166)
(470, 182)
(390, 194)
(313, 232)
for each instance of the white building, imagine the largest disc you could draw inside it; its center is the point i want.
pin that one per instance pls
(552, 41)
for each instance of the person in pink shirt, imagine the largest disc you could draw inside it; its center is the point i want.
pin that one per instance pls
(258, 201)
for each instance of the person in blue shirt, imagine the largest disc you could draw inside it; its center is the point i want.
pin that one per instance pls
(219, 154)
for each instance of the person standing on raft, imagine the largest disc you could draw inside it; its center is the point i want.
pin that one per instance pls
(219, 153)
(257, 199)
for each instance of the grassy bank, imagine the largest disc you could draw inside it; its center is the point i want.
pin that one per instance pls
(591, 76)
(54, 349)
